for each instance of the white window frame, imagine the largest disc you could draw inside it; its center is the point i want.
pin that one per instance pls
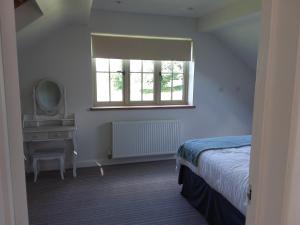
(157, 87)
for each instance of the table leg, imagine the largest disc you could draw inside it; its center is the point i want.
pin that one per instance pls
(75, 154)
(74, 163)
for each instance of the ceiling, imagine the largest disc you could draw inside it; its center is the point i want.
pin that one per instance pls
(242, 37)
(234, 22)
(185, 8)
(37, 19)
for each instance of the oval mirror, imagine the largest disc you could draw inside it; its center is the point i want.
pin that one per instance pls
(49, 96)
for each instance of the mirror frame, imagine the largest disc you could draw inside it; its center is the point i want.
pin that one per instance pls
(55, 110)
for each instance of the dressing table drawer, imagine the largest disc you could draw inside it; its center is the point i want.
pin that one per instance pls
(58, 135)
(35, 136)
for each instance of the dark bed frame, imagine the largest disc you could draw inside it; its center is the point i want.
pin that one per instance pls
(212, 205)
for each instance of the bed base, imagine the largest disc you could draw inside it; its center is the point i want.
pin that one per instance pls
(211, 204)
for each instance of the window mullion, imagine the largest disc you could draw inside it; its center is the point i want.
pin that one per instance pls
(109, 90)
(157, 81)
(142, 82)
(172, 78)
(126, 70)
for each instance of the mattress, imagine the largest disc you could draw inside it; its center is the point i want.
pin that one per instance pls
(226, 171)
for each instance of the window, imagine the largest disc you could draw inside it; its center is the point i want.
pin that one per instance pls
(109, 80)
(140, 82)
(141, 70)
(172, 81)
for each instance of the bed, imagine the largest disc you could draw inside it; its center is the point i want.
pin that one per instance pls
(214, 175)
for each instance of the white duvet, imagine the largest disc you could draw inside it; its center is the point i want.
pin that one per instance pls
(227, 172)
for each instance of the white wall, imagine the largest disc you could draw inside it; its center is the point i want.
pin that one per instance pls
(223, 94)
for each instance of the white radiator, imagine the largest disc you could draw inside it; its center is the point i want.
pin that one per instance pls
(145, 138)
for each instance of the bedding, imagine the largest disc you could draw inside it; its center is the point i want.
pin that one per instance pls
(226, 171)
(192, 149)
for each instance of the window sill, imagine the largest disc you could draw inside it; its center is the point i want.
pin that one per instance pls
(142, 107)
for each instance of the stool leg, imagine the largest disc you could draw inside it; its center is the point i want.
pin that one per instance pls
(38, 166)
(34, 165)
(62, 167)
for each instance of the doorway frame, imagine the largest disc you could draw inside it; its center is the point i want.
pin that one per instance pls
(12, 180)
(6, 195)
(275, 117)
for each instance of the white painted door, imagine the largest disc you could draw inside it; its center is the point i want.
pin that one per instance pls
(6, 197)
(12, 179)
(274, 124)
(291, 196)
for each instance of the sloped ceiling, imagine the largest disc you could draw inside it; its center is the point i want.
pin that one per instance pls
(185, 8)
(237, 25)
(53, 14)
(242, 37)
(36, 19)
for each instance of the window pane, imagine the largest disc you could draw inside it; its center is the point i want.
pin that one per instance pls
(116, 87)
(166, 66)
(110, 80)
(102, 65)
(102, 87)
(135, 87)
(115, 65)
(166, 85)
(148, 66)
(178, 67)
(177, 87)
(148, 87)
(135, 65)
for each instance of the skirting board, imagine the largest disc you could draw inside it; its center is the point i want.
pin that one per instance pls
(105, 162)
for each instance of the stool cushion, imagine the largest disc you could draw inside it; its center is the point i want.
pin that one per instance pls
(45, 153)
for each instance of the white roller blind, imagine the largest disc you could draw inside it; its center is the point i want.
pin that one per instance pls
(146, 48)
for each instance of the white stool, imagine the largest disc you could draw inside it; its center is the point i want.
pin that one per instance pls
(42, 155)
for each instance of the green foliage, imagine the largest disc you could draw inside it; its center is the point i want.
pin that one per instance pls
(118, 81)
(165, 81)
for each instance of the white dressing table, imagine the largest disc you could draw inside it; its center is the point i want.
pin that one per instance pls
(50, 121)
(45, 129)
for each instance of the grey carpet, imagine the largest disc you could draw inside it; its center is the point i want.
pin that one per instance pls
(133, 194)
